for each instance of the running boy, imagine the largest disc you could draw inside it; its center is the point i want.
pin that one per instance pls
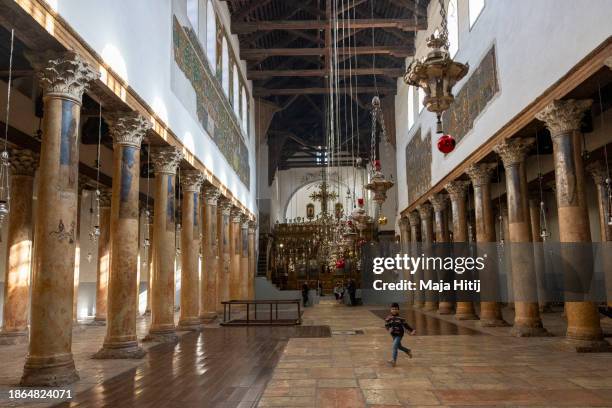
(396, 325)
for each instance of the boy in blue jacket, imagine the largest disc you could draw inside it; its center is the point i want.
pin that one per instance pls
(396, 326)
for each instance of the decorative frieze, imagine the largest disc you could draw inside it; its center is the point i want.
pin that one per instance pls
(418, 166)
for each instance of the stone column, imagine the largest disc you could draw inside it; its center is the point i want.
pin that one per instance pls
(127, 131)
(600, 176)
(18, 263)
(440, 202)
(415, 238)
(563, 119)
(208, 288)
(165, 162)
(244, 258)
(527, 322)
(427, 237)
(457, 191)
(224, 208)
(252, 260)
(480, 175)
(64, 77)
(104, 263)
(404, 226)
(235, 243)
(189, 319)
(150, 259)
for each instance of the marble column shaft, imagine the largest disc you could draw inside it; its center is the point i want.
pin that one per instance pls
(252, 259)
(457, 191)
(244, 257)
(480, 174)
(427, 238)
(208, 288)
(527, 320)
(127, 131)
(64, 77)
(224, 209)
(104, 253)
(563, 118)
(415, 239)
(439, 202)
(165, 162)
(189, 319)
(235, 244)
(18, 264)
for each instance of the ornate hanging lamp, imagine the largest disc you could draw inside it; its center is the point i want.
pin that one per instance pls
(5, 164)
(437, 73)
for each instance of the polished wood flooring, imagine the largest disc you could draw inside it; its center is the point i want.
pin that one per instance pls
(219, 367)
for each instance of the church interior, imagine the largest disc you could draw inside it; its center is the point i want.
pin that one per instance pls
(194, 196)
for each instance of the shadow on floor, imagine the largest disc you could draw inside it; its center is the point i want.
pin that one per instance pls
(428, 325)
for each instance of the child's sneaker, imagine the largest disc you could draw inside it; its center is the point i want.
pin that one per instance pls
(409, 352)
(391, 363)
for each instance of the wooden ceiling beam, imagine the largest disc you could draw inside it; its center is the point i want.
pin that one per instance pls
(346, 24)
(393, 50)
(300, 73)
(254, 5)
(351, 5)
(323, 90)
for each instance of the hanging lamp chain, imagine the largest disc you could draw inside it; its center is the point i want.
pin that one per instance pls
(444, 25)
(5, 164)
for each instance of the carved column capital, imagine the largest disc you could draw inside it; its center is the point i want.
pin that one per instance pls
(236, 215)
(252, 227)
(598, 171)
(439, 201)
(24, 162)
(424, 211)
(105, 197)
(413, 218)
(404, 222)
(514, 151)
(211, 194)
(244, 219)
(562, 116)
(128, 129)
(481, 173)
(65, 73)
(165, 159)
(191, 180)
(224, 205)
(457, 190)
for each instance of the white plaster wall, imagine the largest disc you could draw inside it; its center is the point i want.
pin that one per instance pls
(135, 38)
(536, 42)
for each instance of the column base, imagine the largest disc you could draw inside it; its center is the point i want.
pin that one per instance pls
(49, 372)
(191, 324)
(164, 336)
(493, 323)
(445, 308)
(529, 331)
(120, 351)
(466, 316)
(8, 338)
(208, 317)
(98, 321)
(587, 346)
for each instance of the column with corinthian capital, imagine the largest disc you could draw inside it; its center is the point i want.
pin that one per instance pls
(490, 311)
(235, 244)
(439, 202)
(208, 287)
(457, 191)
(244, 257)
(415, 239)
(189, 319)
(252, 260)
(224, 209)
(103, 271)
(64, 77)
(127, 131)
(18, 265)
(527, 322)
(427, 238)
(562, 118)
(165, 162)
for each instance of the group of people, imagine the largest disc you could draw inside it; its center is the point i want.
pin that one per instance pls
(351, 288)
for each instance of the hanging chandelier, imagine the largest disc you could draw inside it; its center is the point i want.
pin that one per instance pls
(437, 72)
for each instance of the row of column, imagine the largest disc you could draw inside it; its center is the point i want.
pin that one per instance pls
(428, 223)
(228, 253)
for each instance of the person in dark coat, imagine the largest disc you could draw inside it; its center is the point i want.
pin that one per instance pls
(305, 290)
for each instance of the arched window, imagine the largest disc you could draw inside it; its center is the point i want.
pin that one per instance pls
(211, 36)
(421, 99)
(410, 107)
(225, 74)
(192, 14)
(474, 9)
(453, 28)
(236, 92)
(245, 112)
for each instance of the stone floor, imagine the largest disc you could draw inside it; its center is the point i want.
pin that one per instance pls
(447, 370)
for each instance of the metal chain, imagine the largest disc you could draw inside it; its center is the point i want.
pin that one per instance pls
(444, 25)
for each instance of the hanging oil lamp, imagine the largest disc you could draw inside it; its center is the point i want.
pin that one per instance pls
(379, 185)
(437, 73)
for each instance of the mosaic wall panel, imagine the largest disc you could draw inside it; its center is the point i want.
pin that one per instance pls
(473, 97)
(418, 166)
(214, 112)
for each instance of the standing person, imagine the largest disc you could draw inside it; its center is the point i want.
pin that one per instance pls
(352, 290)
(320, 288)
(338, 290)
(396, 325)
(305, 293)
